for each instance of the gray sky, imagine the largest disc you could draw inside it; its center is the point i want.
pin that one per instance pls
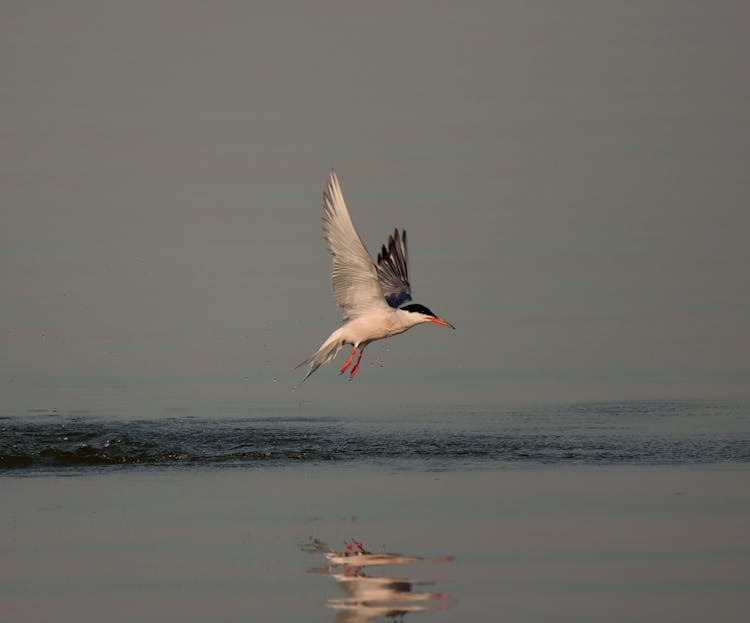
(573, 177)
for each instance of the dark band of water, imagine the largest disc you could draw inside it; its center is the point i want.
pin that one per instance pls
(627, 433)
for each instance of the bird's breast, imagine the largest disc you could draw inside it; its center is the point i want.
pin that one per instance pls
(373, 327)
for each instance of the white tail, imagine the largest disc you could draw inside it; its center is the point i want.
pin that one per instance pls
(326, 353)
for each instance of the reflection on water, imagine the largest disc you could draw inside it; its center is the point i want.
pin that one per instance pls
(370, 591)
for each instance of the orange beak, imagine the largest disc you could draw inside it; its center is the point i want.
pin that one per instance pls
(445, 323)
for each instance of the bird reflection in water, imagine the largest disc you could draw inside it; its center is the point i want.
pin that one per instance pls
(371, 593)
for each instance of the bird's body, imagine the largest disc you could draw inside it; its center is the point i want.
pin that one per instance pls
(377, 326)
(370, 295)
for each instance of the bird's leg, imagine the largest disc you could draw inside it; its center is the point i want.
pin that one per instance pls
(356, 365)
(349, 361)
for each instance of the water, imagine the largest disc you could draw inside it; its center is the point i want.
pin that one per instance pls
(642, 432)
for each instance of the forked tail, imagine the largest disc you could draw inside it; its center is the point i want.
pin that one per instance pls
(325, 354)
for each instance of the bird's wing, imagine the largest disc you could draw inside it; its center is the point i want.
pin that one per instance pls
(354, 278)
(393, 270)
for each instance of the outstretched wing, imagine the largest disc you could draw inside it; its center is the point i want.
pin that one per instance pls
(354, 278)
(393, 270)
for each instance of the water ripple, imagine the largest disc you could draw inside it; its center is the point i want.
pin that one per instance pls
(627, 433)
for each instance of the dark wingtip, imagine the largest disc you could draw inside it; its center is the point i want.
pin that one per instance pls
(383, 253)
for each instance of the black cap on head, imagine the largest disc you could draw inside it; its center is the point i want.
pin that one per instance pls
(421, 309)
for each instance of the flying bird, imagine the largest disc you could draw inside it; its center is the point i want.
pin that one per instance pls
(372, 296)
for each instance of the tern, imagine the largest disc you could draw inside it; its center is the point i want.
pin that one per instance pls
(371, 295)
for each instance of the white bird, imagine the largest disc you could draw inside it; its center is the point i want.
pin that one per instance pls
(370, 295)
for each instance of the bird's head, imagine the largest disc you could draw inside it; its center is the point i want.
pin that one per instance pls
(421, 314)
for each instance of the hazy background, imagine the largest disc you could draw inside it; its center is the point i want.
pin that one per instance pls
(573, 177)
